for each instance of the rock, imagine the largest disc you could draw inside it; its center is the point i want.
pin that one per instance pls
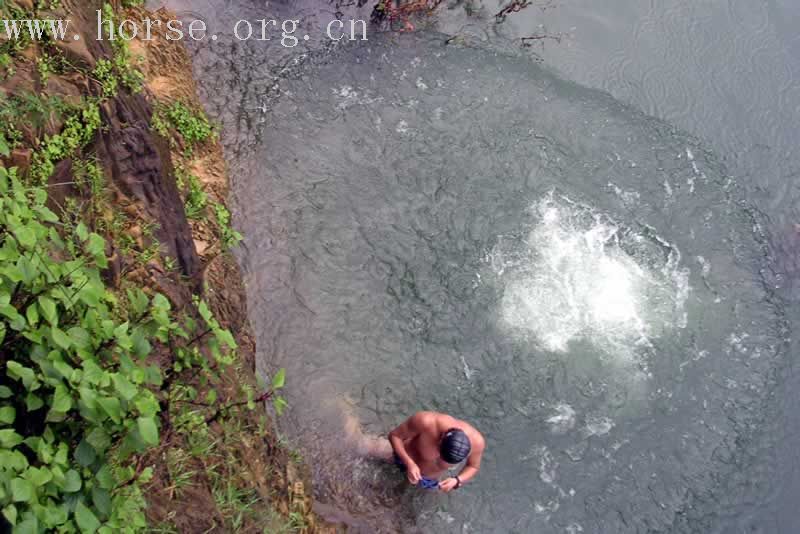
(57, 85)
(21, 159)
(22, 79)
(112, 274)
(26, 5)
(153, 267)
(76, 52)
(200, 246)
(60, 186)
(64, 87)
(140, 166)
(130, 210)
(30, 53)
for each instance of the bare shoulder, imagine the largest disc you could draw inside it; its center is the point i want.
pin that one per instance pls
(475, 437)
(424, 419)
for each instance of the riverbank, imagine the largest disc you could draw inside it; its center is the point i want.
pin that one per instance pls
(175, 437)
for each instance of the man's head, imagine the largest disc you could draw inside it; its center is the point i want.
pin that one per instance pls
(455, 446)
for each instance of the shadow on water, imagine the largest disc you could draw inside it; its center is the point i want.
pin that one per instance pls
(454, 228)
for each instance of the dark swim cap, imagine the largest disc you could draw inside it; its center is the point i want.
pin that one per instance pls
(455, 446)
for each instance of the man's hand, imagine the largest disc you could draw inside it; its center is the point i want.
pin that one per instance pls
(447, 485)
(413, 473)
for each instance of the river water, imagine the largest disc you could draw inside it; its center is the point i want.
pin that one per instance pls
(586, 249)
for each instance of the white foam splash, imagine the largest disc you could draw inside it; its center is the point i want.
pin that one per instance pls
(468, 371)
(598, 425)
(574, 280)
(627, 197)
(563, 420)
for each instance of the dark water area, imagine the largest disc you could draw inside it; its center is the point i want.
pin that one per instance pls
(587, 249)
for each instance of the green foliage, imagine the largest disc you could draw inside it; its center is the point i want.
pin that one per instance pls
(46, 66)
(278, 402)
(31, 110)
(129, 74)
(273, 390)
(196, 198)
(229, 237)
(88, 174)
(159, 124)
(12, 47)
(33, 107)
(117, 71)
(75, 399)
(221, 339)
(6, 65)
(80, 401)
(105, 74)
(179, 469)
(193, 127)
(234, 503)
(170, 263)
(297, 521)
(120, 70)
(48, 4)
(78, 131)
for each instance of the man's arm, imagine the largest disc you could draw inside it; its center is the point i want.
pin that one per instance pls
(471, 468)
(407, 431)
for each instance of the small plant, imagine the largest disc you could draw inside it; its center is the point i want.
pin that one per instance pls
(297, 521)
(234, 503)
(6, 65)
(196, 198)
(229, 237)
(119, 70)
(170, 263)
(30, 109)
(48, 4)
(82, 398)
(78, 131)
(12, 11)
(104, 73)
(45, 65)
(271, 391)
(178, 468)
(129, 74)
(110, 74)
(89, 177)
(159, 124)
(5, 148)
(192, 127)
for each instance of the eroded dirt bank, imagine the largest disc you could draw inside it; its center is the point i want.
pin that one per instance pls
(149, 176)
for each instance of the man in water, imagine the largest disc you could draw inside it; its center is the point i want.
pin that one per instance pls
(429, 443)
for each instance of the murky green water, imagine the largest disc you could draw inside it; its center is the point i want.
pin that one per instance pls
(451, 228)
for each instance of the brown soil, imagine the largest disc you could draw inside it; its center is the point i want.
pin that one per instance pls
(139, 166)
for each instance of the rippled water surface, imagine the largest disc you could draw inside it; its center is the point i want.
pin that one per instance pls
(601, 283)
